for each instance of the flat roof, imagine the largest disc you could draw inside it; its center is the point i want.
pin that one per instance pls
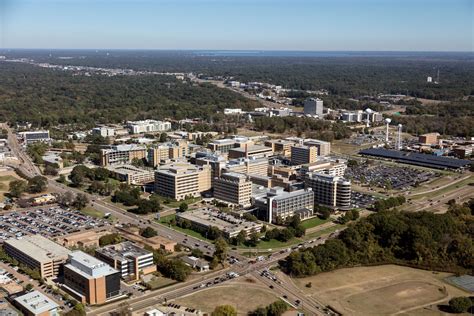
(252, 148)
(88, 266)
(128, 170)
(36, 302)
(418, 159)
(39, 248)
(123, 251)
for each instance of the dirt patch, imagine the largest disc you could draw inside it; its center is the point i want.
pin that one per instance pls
(381, 290)
(245, 297)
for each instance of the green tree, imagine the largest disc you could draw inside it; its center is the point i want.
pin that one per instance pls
(80, 201)
(163, 137)
(149, 232)
(460, 304)
(221, 249)
(183, 207)
(110, 239)
(17, 187)
(29, 287)
(37, 184)
(224, 310)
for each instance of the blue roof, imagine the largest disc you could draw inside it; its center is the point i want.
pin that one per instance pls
(418, 159)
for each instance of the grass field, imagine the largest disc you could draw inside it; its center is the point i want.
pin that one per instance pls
(92, 212)
(165, 220)
(244, 296)
(160, 282)
(446, 189)
(313, 222)
(173, 203)
(381, 290)
(5, 178)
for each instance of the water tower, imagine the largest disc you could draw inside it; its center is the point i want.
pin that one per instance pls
(387, 121)
(368, 112)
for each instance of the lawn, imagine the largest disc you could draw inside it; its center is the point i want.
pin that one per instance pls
(444, 190)
(312, 222)
(160, 282)
(92, 212)
(165, 201)
(165, 220)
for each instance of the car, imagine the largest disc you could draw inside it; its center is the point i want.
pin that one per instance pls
(285, 296)
(271, 286)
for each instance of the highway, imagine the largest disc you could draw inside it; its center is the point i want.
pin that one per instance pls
(244, 267)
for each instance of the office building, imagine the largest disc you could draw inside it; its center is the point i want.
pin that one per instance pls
(35, 136)
(215, 161)
(233, 188)
(352, 116)
(324, 148)
(158, 154)
(202, 219)
(224, 145)
(148, 126)
(248, 166)
(36, 303)
(178, 149)
(282, 147)
(330, 167)
(122, 154)
(313, 106)
(255, 151)
(104, 131)
(330, 191)
(90, 280)
(131, 174)
(303, 154)
(180, 180)
(38, 252)
(131, 260)
(84, 239)
(277, 203)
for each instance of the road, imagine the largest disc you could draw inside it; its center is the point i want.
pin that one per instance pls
(243, 268)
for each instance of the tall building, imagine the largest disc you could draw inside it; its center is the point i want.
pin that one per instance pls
(279, 203)
(122, 154)
(104, 131)
(330, 167)
(282, 147)
(324, 148)
(38, 252)
(157, 155)
(131, 174)
(90, 280)
(234, 188)
(179, 180)
(255, 151)
(303, 154)
(313, 106)
(330, 191)
(148, 126)
(249, 166)
(131, 260)
(214, 160)
(36, 303)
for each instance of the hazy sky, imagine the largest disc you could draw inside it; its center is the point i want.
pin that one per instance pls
(420, 25)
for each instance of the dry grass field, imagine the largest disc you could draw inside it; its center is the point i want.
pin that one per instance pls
(5, 178)
(381, 290)
(244, 296)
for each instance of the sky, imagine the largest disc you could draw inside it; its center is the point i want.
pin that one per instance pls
(313, 25)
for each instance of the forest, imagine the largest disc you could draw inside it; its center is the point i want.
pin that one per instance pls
(48, 97)
(350, 75)
(420, 239)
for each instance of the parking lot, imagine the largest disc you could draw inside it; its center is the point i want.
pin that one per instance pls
(397, 177)
(362, 200)
(48, 221)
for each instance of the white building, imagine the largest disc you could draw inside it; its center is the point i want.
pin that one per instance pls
(232, 111)
(103, 131)
(148, 126)
(313, 106)
(36, 303)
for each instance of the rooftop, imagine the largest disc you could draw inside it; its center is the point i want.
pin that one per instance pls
(123, 251)
(36, 302)
(252, 148)
(88, 266)
(39, 248)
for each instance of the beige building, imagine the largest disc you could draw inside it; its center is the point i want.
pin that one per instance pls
(234, 188)
(38, 252)
(253, 166)
(324, 148)
(332, 191)
(122, 154)
(255, 151)
(280, 146)
(428, 139)
(158, 154)
(84, 239)
(303, 154)
(131, 174)
(36, 303)
(333, 168)
(179, 180)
